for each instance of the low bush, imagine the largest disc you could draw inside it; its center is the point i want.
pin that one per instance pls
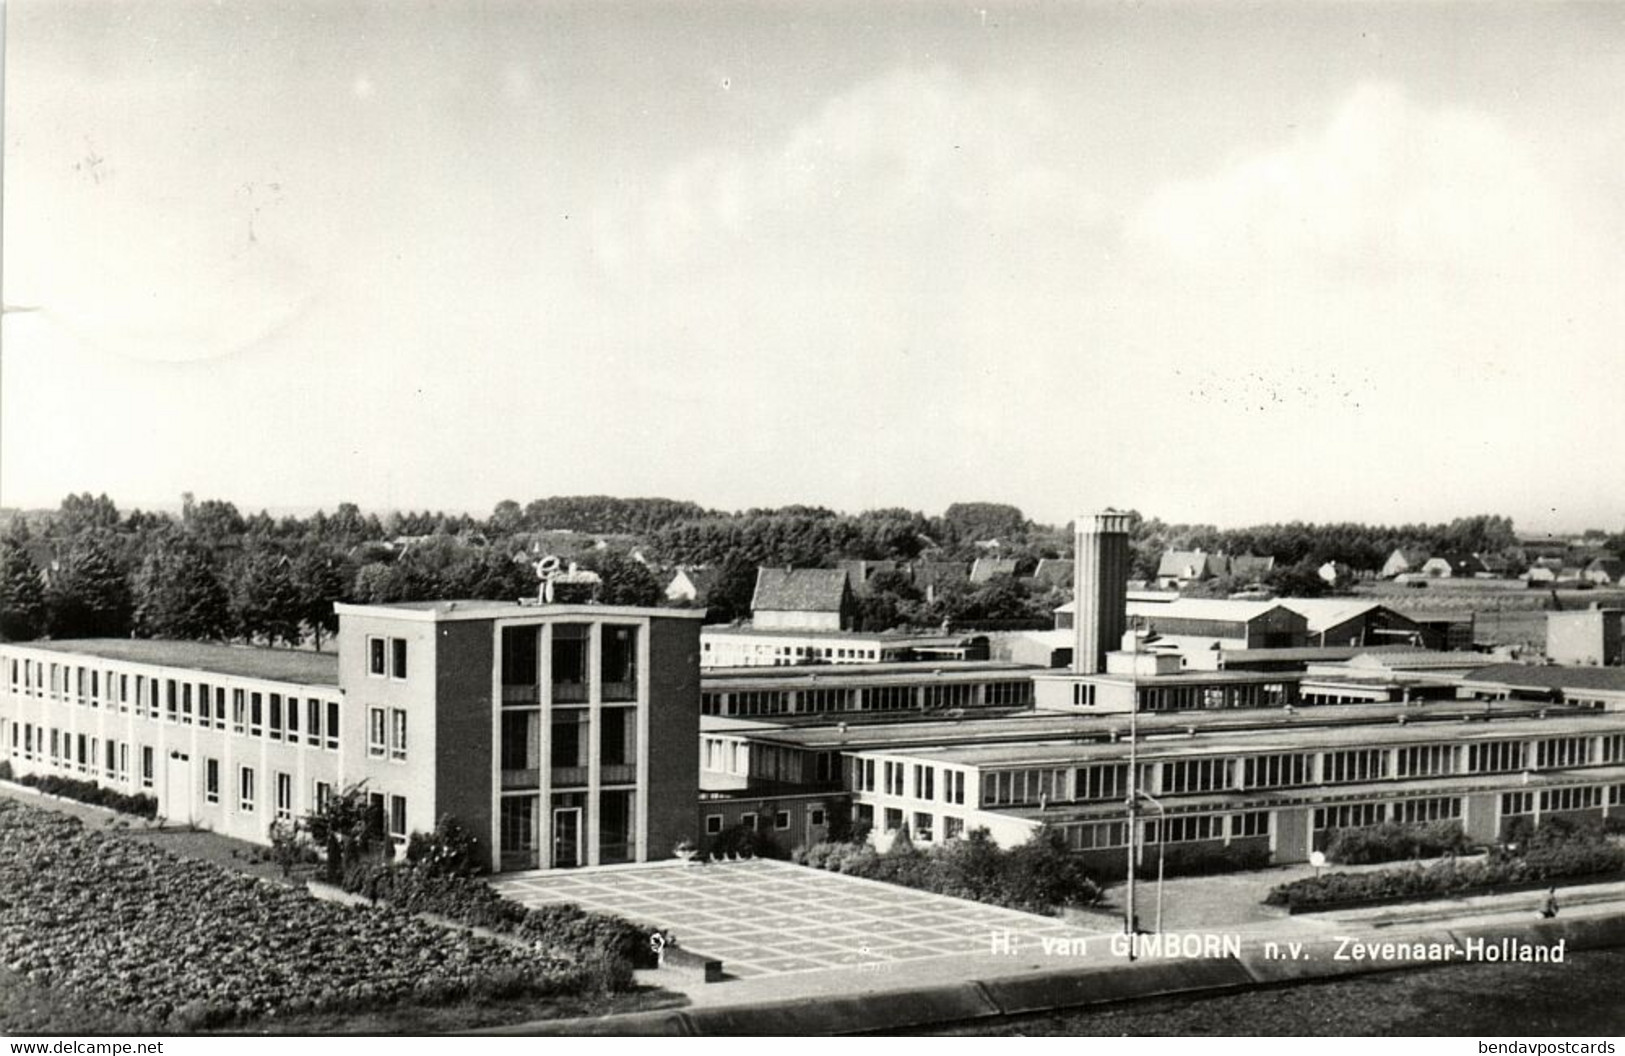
(141, 806)
(1560, 849)
(1391, 842)
(1039, 876)
(1190, 860)
(5, 769)
(607, 946)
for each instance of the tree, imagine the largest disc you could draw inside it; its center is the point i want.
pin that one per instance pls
(506, 519)
(971, 521)
(266, 601)
(85, 513)
(179, 594)
(22, 594)
(349, 827)
(89, 597)
(625, 581)
(320, 576)
(730, 596)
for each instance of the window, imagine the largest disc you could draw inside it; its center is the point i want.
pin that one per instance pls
(220, 707)
(332, 725)
(211, 780)
(1554, 752)
(375, 657)
(1275, 771)
(952, 828)
(238, 710)
(293, 720)
(146, 766)
(1195, 775)
(781, 819)
(816, 816)
(1425, 760)
(173, 700)
(397, 656)
(1417, 811)
(894, 819)
(323, 795)
(375, 733)
(1365, 764)
(748, 820)
(284, 797)
(397, 734)
(1517, 803)
(1253, 823)
(619, 663)
(245, 790)
(124, 763)
(1571, 798)
(713, 824)
(1106, 781)
(256, 714)
(313, 725)
(276, 716)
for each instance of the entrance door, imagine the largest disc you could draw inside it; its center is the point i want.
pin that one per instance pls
(566, 837)
(178, 788)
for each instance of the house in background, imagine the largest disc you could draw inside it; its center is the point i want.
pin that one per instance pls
(1604, 571)
(986, 568)
(1179, 567)
(692, 585)
(1251, 566)
(1454, 566)
(1053, 573)
(858, 573)
(932, 577)
(814, 599)
(1403, 560)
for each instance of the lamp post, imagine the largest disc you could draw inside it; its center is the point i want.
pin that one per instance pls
(1162, 844)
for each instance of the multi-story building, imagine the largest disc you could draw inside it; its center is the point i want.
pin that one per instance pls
(562, 734)
(1589, 636)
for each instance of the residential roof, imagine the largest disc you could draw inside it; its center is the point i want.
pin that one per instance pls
(988, 567)
(1553, 676)
(1613, 567)
(1251, 564)
(1054, 571)
(702, 579)
(799, 590)
(933, 573)
(243, 661)
(1192, 564)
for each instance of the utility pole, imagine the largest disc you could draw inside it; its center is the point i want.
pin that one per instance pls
(1133, 823)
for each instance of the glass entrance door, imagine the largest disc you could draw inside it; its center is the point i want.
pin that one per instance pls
(519, 842)
(566, 837)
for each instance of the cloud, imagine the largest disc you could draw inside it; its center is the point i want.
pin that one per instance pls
(1387, 185)
(915, 150)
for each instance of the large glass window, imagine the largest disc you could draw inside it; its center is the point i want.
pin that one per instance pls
(521, 749)
(570, 663)
(615, 831)
(620, 663)
(569, 755)
(618, 745)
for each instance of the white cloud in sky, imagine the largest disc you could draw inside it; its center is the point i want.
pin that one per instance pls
(911, 151)
(1387, 184)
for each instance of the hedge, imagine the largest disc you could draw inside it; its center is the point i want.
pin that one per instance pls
(611, 946)
(90, 792)
(1559, 853)
(1391, 841)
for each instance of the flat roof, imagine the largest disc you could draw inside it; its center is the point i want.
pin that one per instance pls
(1324, 795)
(861, 674)
(1165, 744)
(481, 609)
(888, 637)
(1186, 677)
(1551, 676)
(243, 661)
(973, 728)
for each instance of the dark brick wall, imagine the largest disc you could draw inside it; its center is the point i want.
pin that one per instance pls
(465, 758)
(674, 733)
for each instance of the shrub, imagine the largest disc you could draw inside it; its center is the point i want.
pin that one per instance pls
(1190, 860)
(1392, 841)
(608, 947)
(90, 792)
(450, 850)
(745, 841)
(1039, 875)
(5, 769)
(1561, 848)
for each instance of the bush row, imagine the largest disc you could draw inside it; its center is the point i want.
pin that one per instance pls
(182, 944)
(1189, 860)
(1392, 842)
(86, 792)
(607, 945)
(1559, 850)
(1038, 876)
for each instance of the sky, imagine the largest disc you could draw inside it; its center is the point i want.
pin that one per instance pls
(1225, 263)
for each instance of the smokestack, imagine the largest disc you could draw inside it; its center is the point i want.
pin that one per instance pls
(1099, 588)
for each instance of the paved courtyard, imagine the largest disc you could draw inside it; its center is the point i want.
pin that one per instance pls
(769, 918)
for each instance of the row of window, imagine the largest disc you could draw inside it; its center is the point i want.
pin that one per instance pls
(1184, 828)
(828, 699)
(816, 817)
(386, 657)
(82, 752)
(894, 776)
(253, 713)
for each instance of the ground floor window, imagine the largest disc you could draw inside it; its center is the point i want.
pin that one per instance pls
(617, 838)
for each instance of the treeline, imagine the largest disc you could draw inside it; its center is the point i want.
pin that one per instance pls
(1363, 547)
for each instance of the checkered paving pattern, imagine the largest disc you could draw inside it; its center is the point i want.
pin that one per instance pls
(770, 918)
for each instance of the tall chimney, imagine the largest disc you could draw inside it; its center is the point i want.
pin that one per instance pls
(1099, 588)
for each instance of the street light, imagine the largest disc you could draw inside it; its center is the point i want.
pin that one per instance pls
(1162, 846)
